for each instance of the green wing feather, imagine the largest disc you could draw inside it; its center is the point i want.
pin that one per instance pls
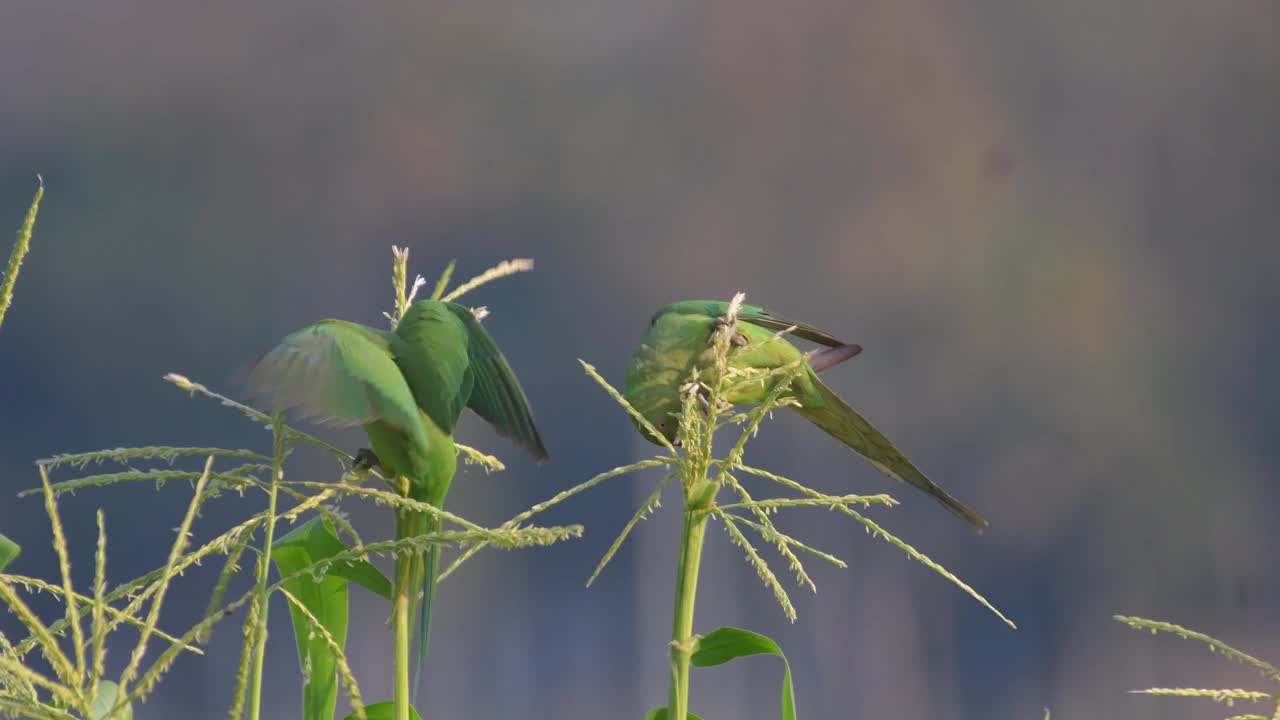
(804, 331)
(496, 394)
(338, 373)
(755, 315)
(430, 345)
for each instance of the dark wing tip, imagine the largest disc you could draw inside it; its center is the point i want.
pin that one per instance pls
(824, 360)
(804, 331)
(530, 439)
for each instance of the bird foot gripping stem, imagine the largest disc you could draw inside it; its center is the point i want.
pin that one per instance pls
(365, 459)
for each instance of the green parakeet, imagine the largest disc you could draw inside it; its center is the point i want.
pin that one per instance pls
(407, 388)
(678, 340)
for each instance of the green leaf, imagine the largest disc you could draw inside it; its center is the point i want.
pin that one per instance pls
(8, 551)
(326, 600)
(321, 541)
(727, 643)
(660, 714)
(105, 700)
(383, 711)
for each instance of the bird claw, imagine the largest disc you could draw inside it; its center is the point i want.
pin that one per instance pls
(365, 460)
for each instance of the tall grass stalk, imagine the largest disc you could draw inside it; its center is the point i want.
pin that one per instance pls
(683, 642)
(402, 608)
(403, 618)
(261, 603)
(699, 496)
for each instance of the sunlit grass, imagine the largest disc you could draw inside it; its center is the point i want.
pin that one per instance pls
(75, 683)
(1226, 696)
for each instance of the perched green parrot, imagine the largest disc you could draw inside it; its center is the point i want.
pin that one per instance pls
(407, 388)
(678, 340)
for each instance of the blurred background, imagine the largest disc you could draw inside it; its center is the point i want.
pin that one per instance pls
(1053, 227)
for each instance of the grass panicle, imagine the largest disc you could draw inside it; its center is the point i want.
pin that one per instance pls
(560, 497)
(31, 584)
(11, 663)
(68, 594)
(761, 510)
(159, 478)
(1226, 696)
(169, 455)
(501, 270)
(1215, 645)
(775, 537)
(652, 503)
(98, 614)
(175, 554)
(11, 707)
(19, 252)
(830, 502)
(442, 283)
(761, 567)
(404, 295)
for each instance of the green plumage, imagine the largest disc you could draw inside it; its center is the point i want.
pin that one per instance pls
(677, 341)
(407, 388)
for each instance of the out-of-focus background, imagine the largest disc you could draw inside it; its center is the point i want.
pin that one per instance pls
(1054, 228)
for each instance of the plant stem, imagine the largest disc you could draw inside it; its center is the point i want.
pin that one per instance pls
(682, 639)
(403, 623)
(402, 610)
(264, 568)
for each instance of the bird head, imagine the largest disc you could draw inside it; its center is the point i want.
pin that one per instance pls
(666, 425)
(663, 416)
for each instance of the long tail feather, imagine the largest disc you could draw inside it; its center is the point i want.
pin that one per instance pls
(843, 423)
(430, 569)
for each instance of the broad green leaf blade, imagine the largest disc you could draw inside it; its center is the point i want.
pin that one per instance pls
(321, 541)
(8, 551)
(105, 700)
(365, 575)
(727, 643)
(659, 714)
(383, 711)
(326, 600)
